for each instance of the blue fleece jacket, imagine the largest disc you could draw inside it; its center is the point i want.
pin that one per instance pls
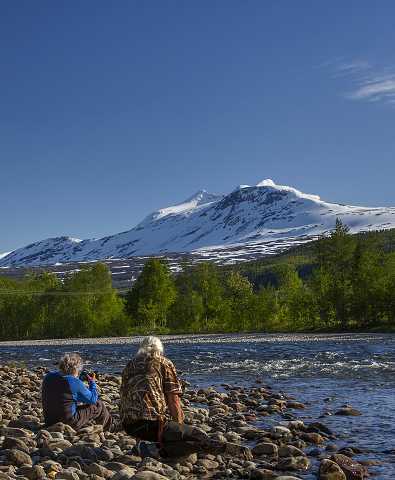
(61, 394)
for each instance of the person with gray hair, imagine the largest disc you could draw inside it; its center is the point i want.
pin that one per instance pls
(151, 410)
(66, 399)
(150, 346)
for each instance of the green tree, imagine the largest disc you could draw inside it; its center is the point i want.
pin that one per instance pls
(240, 295)
(207, 283)
(89, 306)
(267, 310)
(187, 312)
(335, 259)
(369, 283)
(152, 295)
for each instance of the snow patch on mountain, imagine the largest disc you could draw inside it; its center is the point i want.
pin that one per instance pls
(201, 198)
(261, 217)
(268, 182)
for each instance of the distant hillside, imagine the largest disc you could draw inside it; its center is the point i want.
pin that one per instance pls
(264, 271)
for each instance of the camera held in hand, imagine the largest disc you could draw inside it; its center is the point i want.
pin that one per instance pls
(85, 375)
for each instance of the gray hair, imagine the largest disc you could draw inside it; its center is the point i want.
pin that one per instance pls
(70, 364)
(150, 346)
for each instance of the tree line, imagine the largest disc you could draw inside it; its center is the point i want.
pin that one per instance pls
(350, 286)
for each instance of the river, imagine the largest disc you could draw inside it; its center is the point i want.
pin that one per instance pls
(323, 371)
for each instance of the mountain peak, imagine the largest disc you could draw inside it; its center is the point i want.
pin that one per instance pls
(201, 197)
(268, 182)
(261, 217)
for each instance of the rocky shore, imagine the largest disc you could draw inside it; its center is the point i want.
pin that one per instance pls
(285, 449)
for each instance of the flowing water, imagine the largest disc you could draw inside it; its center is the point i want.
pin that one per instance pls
(323, 371)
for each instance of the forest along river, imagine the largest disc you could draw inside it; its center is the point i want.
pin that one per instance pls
(323, 371)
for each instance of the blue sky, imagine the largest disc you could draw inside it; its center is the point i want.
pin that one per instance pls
(109, 110)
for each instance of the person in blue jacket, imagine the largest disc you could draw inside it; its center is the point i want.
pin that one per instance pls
(66, 399)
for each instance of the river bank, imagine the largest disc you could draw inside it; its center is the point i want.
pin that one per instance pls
(283, 446)
(191, 338)
(322, 371)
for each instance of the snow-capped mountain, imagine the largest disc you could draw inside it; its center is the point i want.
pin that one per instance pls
(260, 217)
(2, 255)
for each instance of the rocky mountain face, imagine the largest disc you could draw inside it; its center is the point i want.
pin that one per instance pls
(257, 220)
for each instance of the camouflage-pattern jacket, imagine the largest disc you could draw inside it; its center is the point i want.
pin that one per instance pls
(145, 382)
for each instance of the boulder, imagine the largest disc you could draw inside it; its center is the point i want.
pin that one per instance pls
(312, 437)
(293, 463)
(124, 474)
(148, 475)
(99, 470)
(290, 451)
(81, 451)
(348, 412)
(207, 464)
(295, 405)
(15, 432)
(262, 474)
(18, 443)
(330, 470)
(18, 457)
(265, 448)
(287, 477)
(353, 470)
(67, 475)
(281, 432)
(32, 473)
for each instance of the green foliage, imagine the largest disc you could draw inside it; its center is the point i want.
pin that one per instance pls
(340, 282)
(152, 295)
(201, 305)
(41, 306)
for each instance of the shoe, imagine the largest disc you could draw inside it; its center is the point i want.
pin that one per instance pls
(146, 449)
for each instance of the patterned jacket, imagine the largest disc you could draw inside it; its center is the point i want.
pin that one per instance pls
(145, 382)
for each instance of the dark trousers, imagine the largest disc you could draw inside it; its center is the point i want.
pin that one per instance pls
(177, 440)
(97, 412)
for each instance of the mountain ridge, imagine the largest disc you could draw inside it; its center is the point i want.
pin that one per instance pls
(249, 216)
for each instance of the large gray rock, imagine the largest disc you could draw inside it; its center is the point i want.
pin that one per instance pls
(353, 470)
(59, 444)
(262, 474)
(287, 477)
(32, 473)
(15, 432)
(293, 463)
(18, 443)
(18, 457)
(148, 475)
(265, 448)
(290, 451)
(81, 451)
(207, 464)
(124, 474)
(348, 412)
(99, 470)
(67, 475)
(330, 471)
(281, 432)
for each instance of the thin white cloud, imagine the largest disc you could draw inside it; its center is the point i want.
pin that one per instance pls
(369, 83)
(351, 68)
(383, 90)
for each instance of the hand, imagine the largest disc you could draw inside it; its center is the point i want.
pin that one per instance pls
(92, 378)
